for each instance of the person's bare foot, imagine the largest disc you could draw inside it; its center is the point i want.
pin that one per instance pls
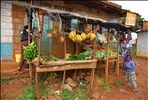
(135, 90)
(19, 69)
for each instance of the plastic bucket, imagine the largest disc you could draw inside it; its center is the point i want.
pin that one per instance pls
(17, 57)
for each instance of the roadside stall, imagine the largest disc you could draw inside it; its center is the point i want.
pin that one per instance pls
(74, 62)
(60, 64)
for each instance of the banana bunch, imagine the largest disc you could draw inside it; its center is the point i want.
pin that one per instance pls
(92, 36)
(88, 36)
(83, 36)
(78, 38)
(30, 52)
(72, 36)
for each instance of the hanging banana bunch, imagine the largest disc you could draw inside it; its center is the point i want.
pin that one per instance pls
(30, 52)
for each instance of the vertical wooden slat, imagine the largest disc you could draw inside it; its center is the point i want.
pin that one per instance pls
(107, 53)
(118, 47)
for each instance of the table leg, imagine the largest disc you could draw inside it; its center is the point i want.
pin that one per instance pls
(31, 73)
(80, 74)
(37, 89)
(75, 73)
(64, 77)
(92, 78)
(51, 77)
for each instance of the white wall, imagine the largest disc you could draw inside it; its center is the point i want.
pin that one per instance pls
(142, 44)
(6, 30)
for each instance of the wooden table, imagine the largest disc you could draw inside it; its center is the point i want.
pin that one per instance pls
(61, 65)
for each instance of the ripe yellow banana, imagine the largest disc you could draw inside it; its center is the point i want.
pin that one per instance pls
(72, 35)
(83, 36)
(92, 36)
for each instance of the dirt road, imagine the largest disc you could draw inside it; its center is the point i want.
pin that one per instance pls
(12, 90)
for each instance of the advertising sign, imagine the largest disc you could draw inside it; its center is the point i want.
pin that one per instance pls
(130, 19)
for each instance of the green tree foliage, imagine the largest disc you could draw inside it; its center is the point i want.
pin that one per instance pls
(137, 26)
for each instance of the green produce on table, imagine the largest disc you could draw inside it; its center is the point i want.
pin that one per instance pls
(77, 57)
(53, 58)
(88, 52)
(100, 53)
(111, 53)
(30, 52)
(97, 53)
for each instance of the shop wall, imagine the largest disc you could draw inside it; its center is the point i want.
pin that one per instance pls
(6, 30)
(18, 16)
(142, 44)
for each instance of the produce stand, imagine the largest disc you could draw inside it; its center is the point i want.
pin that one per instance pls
(63, 65)
(60, 65)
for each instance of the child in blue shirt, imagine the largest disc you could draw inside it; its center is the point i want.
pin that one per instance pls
(129, 66)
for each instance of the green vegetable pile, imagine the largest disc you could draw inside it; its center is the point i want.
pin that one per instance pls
(97, 53)
(77, 57)
(30, 52)
(53, 58)
(100, 53)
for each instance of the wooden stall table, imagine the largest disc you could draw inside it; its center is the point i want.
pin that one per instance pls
(62, 65)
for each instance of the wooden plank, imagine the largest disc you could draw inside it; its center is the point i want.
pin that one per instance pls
(62, 62)
(113, 60)
(107, 53)
(66, 67)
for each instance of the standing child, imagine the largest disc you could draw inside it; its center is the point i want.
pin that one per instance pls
(129, 66)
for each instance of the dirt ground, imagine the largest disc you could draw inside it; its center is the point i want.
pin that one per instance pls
(12, 89)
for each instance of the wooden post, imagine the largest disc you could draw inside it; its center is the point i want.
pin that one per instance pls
(92, 78)
(30, 65)
(63, 33)
(38, 61)
(118, 47)
(94, 44)
(107, 53)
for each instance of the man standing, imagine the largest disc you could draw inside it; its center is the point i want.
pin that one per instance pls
(122, 39)
(24, 42)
